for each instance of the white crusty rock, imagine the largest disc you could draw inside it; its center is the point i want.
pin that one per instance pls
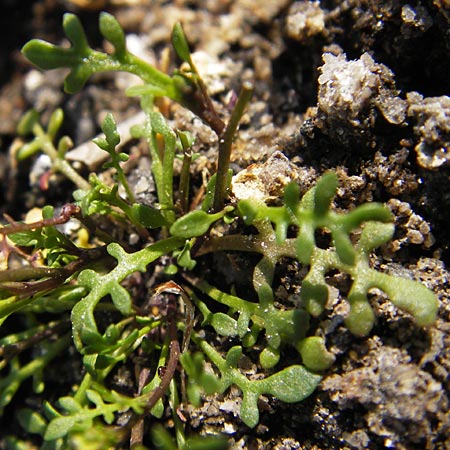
(264, 181)
(354, 93)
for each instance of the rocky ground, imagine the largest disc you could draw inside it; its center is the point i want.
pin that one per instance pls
(357, 86)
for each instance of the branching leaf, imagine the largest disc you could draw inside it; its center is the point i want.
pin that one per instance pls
(102, 285)
(83, 61)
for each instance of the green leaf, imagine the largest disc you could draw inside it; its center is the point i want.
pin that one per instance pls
(193, 224)
(27, 238)
(187, 139)
(184, 258)
(83, 319)
(113, 32)
(69, 404)
(361, 318)
(249, 408)
(344, 247)
(315, 355)
(410, 296)
(49, 410)
(324, 193)
(121, 299)
(64, 144)
(180, 43)
(314, 295)
(224, 324)
(365, 213)
(194, 394)
(305, 243)
(292, 384)
(209, 383)
(375, 234)
(78, 77)
(47, 56)
(95, 398)
(109, 127)
(291, 196)
(27, 122)
(234, 355)
(31, 421)
(243, 323)
(148, 217)
(248, 210)
(59, 427)
(206, 443)
(92, 337)
(75, 32)
(161, 438)
(269, 357)
(141, 90)
(55, 122)
(209, 194)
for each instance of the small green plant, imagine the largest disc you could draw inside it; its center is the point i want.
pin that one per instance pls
(84, 291)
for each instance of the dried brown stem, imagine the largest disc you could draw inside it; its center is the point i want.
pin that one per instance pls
(172, 289)
(68, 211)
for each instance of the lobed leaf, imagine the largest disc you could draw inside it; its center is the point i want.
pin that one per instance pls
(113, 32)
(47, 56)
(75, 33)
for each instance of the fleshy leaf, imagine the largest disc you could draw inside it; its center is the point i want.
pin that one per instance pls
(113, 32)
(59, 427)
(290, 385)
(180, 43)
(249, 409)
(194, 223)
(315, 355)
(148, 217)
(324, 193)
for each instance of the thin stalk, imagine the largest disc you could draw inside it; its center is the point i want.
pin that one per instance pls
(174, 402)
(80, 394)
(229, 300)
(12, 382)
(137, 66)
(161, 144)
(124, 182)
(225, 143)
(60, 165)
(15, 344)
(206, 110)
(184, 180)
(171, 367)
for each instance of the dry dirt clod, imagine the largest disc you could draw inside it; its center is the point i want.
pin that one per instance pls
(431, 121)
(264, 181)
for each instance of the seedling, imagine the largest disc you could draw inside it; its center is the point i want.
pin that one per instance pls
(99, 283)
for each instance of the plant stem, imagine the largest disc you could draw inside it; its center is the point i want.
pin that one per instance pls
(80, 394)
(184, 180)
(61, 165)
(137, 66)
(225, 143)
